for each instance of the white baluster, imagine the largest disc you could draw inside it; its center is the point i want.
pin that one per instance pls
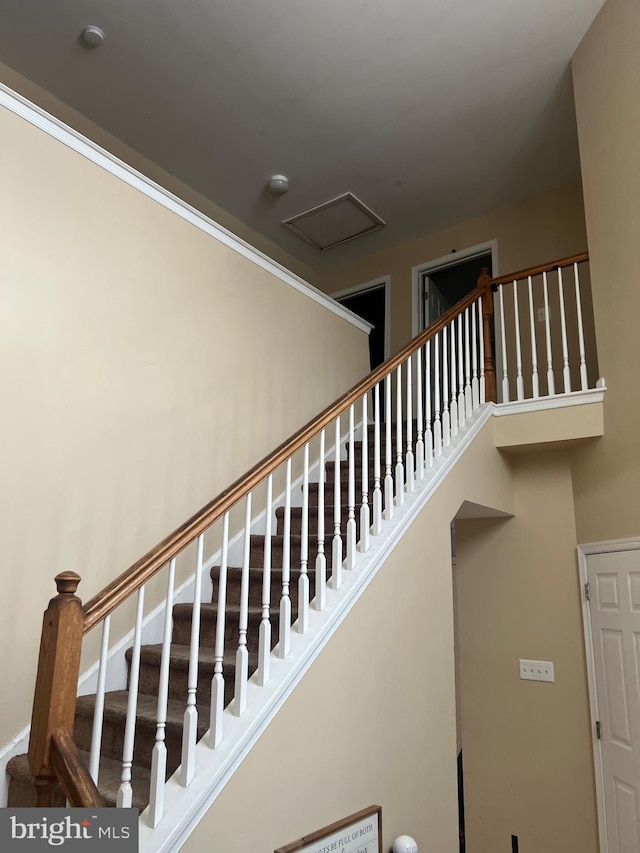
(242, 653)
(551, 387)
(566, 371)
(159, 754)
(377, 491)
(336, 547)
(351, 500)
(437, 424)
(190, 723)
(388, 478)
(505, 373)
(446, 417)
(264, 633)
(584, 382)
(516, 319)
(125, 792)
(303, 580)
(467, 367)
(217, 683)
(365, 518)
(419, 418)
(462, 409)
(399, 463)
(535, 383)
(284, 640)
(428, 433)
(475, 388)
(453, 409)
(409, 458)
(321, 559)
(482, 383)
(98, 709)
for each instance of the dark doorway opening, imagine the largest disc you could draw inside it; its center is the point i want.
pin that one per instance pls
(443, 287)
(370, 304)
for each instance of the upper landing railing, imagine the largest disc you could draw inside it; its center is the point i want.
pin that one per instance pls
(395, 423)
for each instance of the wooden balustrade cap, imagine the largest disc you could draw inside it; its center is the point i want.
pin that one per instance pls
(67, 583)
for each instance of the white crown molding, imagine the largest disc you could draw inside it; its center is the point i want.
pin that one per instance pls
(52, 126)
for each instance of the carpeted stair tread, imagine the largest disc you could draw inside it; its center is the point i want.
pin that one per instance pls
(115, 709)
(23, 794)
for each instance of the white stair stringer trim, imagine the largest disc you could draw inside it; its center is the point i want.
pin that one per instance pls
(186, 806)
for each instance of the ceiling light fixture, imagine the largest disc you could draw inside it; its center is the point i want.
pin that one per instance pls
(278, 184)
(93, 36)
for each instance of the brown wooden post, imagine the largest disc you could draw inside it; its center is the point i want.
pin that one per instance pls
(484, 281)
(54, 703)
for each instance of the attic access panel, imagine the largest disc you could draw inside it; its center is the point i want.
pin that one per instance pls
(335, 221)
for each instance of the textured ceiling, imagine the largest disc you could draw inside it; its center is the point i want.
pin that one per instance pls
(430, 111)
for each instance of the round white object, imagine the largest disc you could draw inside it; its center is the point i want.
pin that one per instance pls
(93, 36)
(405, 844)
(278, 184)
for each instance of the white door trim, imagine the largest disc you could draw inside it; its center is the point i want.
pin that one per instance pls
(449, 260)
(584, 551)
(374, 284)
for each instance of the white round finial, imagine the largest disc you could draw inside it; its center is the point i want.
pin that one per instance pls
(93, 36)
(405, 844)
(278, 184)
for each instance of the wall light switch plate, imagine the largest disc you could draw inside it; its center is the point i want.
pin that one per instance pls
(536, 670)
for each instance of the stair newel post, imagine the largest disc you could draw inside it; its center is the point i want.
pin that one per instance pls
(264, 633)
(54, 703)
(377, 491)
(351, 501)
(388, 477)
(419, 419)
(365, 513)
(336, 544)
(303, 580)
(399, 462)
(159, 753)
(242, 653)
(284, 643)
(321, 558)
(217, 684)
(484, 282)
(409, 457)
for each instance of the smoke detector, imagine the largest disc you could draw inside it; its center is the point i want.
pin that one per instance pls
(93, 36)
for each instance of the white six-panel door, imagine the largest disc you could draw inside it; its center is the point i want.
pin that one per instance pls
(614, 611)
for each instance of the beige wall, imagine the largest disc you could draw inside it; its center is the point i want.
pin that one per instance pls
(373, 720)
(526, 745)
(144, 366)
(532, 232)
(39, 96)
(606, 72)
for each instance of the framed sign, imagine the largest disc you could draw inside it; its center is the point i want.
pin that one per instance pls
(359, 833)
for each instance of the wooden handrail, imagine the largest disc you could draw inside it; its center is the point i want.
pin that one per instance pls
(72, 773)
(140, 572)
(531, 271)
(106, 601)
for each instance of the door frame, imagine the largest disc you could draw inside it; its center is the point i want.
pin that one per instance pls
(450, 260)
(584, 552)
(374, 284)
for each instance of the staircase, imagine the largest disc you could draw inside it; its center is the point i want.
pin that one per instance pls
(21, 789)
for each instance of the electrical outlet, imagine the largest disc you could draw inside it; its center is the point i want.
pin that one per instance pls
(536, 670)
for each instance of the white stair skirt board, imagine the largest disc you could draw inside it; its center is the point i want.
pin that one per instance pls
(184, 807)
